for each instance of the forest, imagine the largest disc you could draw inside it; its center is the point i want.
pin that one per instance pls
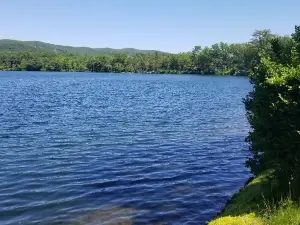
(220, 59)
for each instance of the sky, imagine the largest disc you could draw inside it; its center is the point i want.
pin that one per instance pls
(166, 25)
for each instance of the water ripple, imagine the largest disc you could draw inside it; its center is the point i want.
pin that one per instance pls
(81, 148)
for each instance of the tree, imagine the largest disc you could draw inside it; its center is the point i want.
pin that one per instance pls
(261, 40)
(273, 111)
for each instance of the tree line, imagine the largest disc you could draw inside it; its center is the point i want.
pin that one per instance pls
(220, 59)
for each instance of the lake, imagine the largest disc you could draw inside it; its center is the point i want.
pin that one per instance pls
(88, 148)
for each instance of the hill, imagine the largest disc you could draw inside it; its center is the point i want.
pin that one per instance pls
(38, 46)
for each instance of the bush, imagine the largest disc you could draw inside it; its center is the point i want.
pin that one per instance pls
(273, 111)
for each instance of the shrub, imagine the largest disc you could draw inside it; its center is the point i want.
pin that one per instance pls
(273, 111)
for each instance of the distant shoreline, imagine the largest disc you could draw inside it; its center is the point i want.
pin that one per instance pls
(136, 73)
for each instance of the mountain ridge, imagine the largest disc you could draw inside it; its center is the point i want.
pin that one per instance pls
(39, 46)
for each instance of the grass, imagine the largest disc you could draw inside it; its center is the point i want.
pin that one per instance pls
(258, 203)
(287, 212)
(248, 219)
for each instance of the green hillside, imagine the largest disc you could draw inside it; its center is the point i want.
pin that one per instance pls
(37, 46)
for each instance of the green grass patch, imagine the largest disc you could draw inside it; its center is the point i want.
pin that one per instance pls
(248, 219)
(286, 212)
(251, 198)
(260, 203)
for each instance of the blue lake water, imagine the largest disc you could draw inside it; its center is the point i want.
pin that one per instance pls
(87, 148)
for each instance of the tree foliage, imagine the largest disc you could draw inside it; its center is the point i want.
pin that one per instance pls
(273, 110)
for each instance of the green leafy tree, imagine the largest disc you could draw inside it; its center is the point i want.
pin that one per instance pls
(273, 111)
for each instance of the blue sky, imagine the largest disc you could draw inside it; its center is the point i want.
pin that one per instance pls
(167, 25)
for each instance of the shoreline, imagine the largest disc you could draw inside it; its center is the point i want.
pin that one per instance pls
(230, 200)
(240, 207)
(137, 73)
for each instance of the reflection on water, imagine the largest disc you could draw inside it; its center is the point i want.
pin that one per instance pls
(107, 216)
(184, 189)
